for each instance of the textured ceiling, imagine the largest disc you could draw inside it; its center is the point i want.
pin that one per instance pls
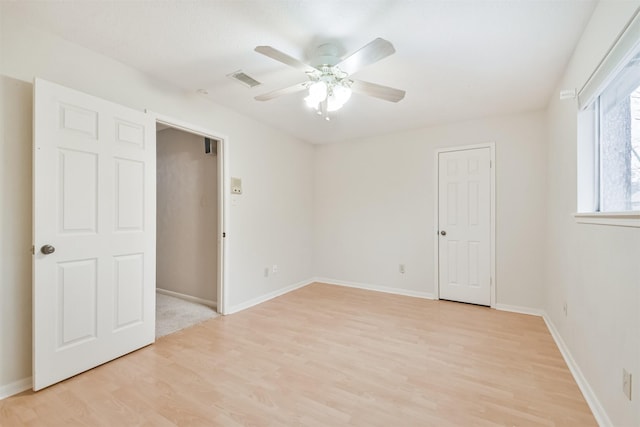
(457, 60)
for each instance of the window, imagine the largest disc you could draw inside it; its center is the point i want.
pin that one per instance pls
(618, 142)
(609, 136)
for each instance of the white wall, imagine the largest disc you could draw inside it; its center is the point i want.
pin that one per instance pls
(187, 215)
(375, 206)
(270, 223)
(594, 269)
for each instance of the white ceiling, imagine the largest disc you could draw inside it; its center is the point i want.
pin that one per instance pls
(457, 60)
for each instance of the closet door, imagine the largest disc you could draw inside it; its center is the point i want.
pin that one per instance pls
(464, 224)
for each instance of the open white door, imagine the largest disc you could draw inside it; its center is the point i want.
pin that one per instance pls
(464, 225)
(94, 207)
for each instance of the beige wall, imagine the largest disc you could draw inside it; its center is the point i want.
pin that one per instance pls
(375, 206)
(187, 215)
(595, 269)
(15, 229)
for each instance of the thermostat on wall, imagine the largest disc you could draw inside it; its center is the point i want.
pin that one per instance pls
(236, 185)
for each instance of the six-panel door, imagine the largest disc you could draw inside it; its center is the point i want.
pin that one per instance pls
(464, 215)
(94, 203)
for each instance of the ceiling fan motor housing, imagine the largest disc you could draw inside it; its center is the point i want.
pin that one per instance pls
(325, 54)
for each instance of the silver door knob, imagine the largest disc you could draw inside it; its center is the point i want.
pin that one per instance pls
(47, 249)
(444, 233)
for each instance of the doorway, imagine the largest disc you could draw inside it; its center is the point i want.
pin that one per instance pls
(191, 217)
(465, 224)
(186, 229)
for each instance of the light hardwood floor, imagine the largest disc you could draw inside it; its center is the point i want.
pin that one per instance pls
(327, 356)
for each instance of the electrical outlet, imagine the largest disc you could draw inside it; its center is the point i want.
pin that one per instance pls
(402, 269)
(266, 272)
(564, 309)
(274, 269)
(626, 383)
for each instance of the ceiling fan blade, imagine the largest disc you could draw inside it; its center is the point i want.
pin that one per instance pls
(279, 92)
(284, 58)
(378, 91)
(368, 54)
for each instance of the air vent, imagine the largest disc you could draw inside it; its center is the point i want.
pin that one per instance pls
(243, 78)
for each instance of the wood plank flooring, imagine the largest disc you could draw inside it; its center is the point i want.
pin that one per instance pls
(327, 356)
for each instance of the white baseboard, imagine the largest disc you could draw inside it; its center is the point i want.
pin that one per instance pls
(592, 400)
(519, 309)
(207, 302)
(377, 288)
(266, 297)
(15, 387)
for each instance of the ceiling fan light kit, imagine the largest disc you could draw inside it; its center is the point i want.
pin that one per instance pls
(330, 86)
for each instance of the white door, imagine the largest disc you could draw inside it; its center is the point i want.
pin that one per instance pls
(464, 225)
(94, 205)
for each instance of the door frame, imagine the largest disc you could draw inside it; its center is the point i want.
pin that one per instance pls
(492, 203)
(223, 197)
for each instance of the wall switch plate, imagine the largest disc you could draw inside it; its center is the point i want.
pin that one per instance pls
(626, 383)
(274, 269)
(402, 269)
(236, 185)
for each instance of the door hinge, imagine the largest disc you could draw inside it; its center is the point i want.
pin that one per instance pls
(224, 234)
(33, 249)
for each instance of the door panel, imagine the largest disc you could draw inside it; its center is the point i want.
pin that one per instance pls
(129, 290)
(78, 198)
(76, 302)
(94, 201)
(464, 215)
(130, 195)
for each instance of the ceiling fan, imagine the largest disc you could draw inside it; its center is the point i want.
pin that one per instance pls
(330, 84)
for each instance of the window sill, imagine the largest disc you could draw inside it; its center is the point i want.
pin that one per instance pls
(619, 219)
